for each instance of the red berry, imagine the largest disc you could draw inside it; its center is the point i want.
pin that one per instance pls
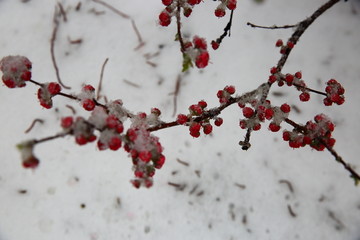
(187, 12)
(88, 104)
(202, 104)
(274, 127)
(31, 162)
(167, 2)
(81, 139)
(269, 113)
(145, 156)
(66, 122)
(273, 70)
(304, 97)
(248, 112)
(26, 75)
(289, 79)
(195, 109)
(279, 43)
(242, 124)
(207, 128)
(230, 89)
(298, 75)
(156, 111)
(272, 78)
(218, 122)
(215, 45)
(327, 102)
(195, 127)
(131, 134)
(285, 108)
(115, 143)
(202, 59)
(53, 88)
(112, 121)
(220, 94)
(160, 162)
(88, 88)
(199, 43)
(231, 4)
(290, 44)
(164, 19)
(286, 136)
(219, 12)
(181, 119)
(9, 82)
(257, 127)
(195, 134)
(193, 2)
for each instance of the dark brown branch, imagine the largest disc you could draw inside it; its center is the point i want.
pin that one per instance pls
(271, 27)
(52, 48)
(178, 24)
(227, 29)
(310, 90)
(301, 28)
(59, 135)
(101, 79)
(346, 165)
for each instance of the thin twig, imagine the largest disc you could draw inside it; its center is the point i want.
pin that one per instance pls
(227, 29)
(271, 27)
(37, 120)
(101, 79)
(132, 83)
(62, 11)
(140, 39)
(112, 9)
(52, 48)
(176, 93)
(288, 183)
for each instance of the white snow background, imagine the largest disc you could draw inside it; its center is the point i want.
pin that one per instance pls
(80, 193)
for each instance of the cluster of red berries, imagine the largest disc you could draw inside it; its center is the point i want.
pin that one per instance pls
(257, 113)
(290, 80)
(197, 51)
(87, 97)
(16, 71)
(82, 130)
(46, 92)
(225, 94)
(283, 48)
(335, 93)
(145, 151)
(315, 134)
(194, 126)
(171, 7)
(229, 4)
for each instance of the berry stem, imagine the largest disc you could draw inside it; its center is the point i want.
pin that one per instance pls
(309, 89)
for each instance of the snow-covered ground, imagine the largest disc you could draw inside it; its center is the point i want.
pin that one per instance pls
(226, 193)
